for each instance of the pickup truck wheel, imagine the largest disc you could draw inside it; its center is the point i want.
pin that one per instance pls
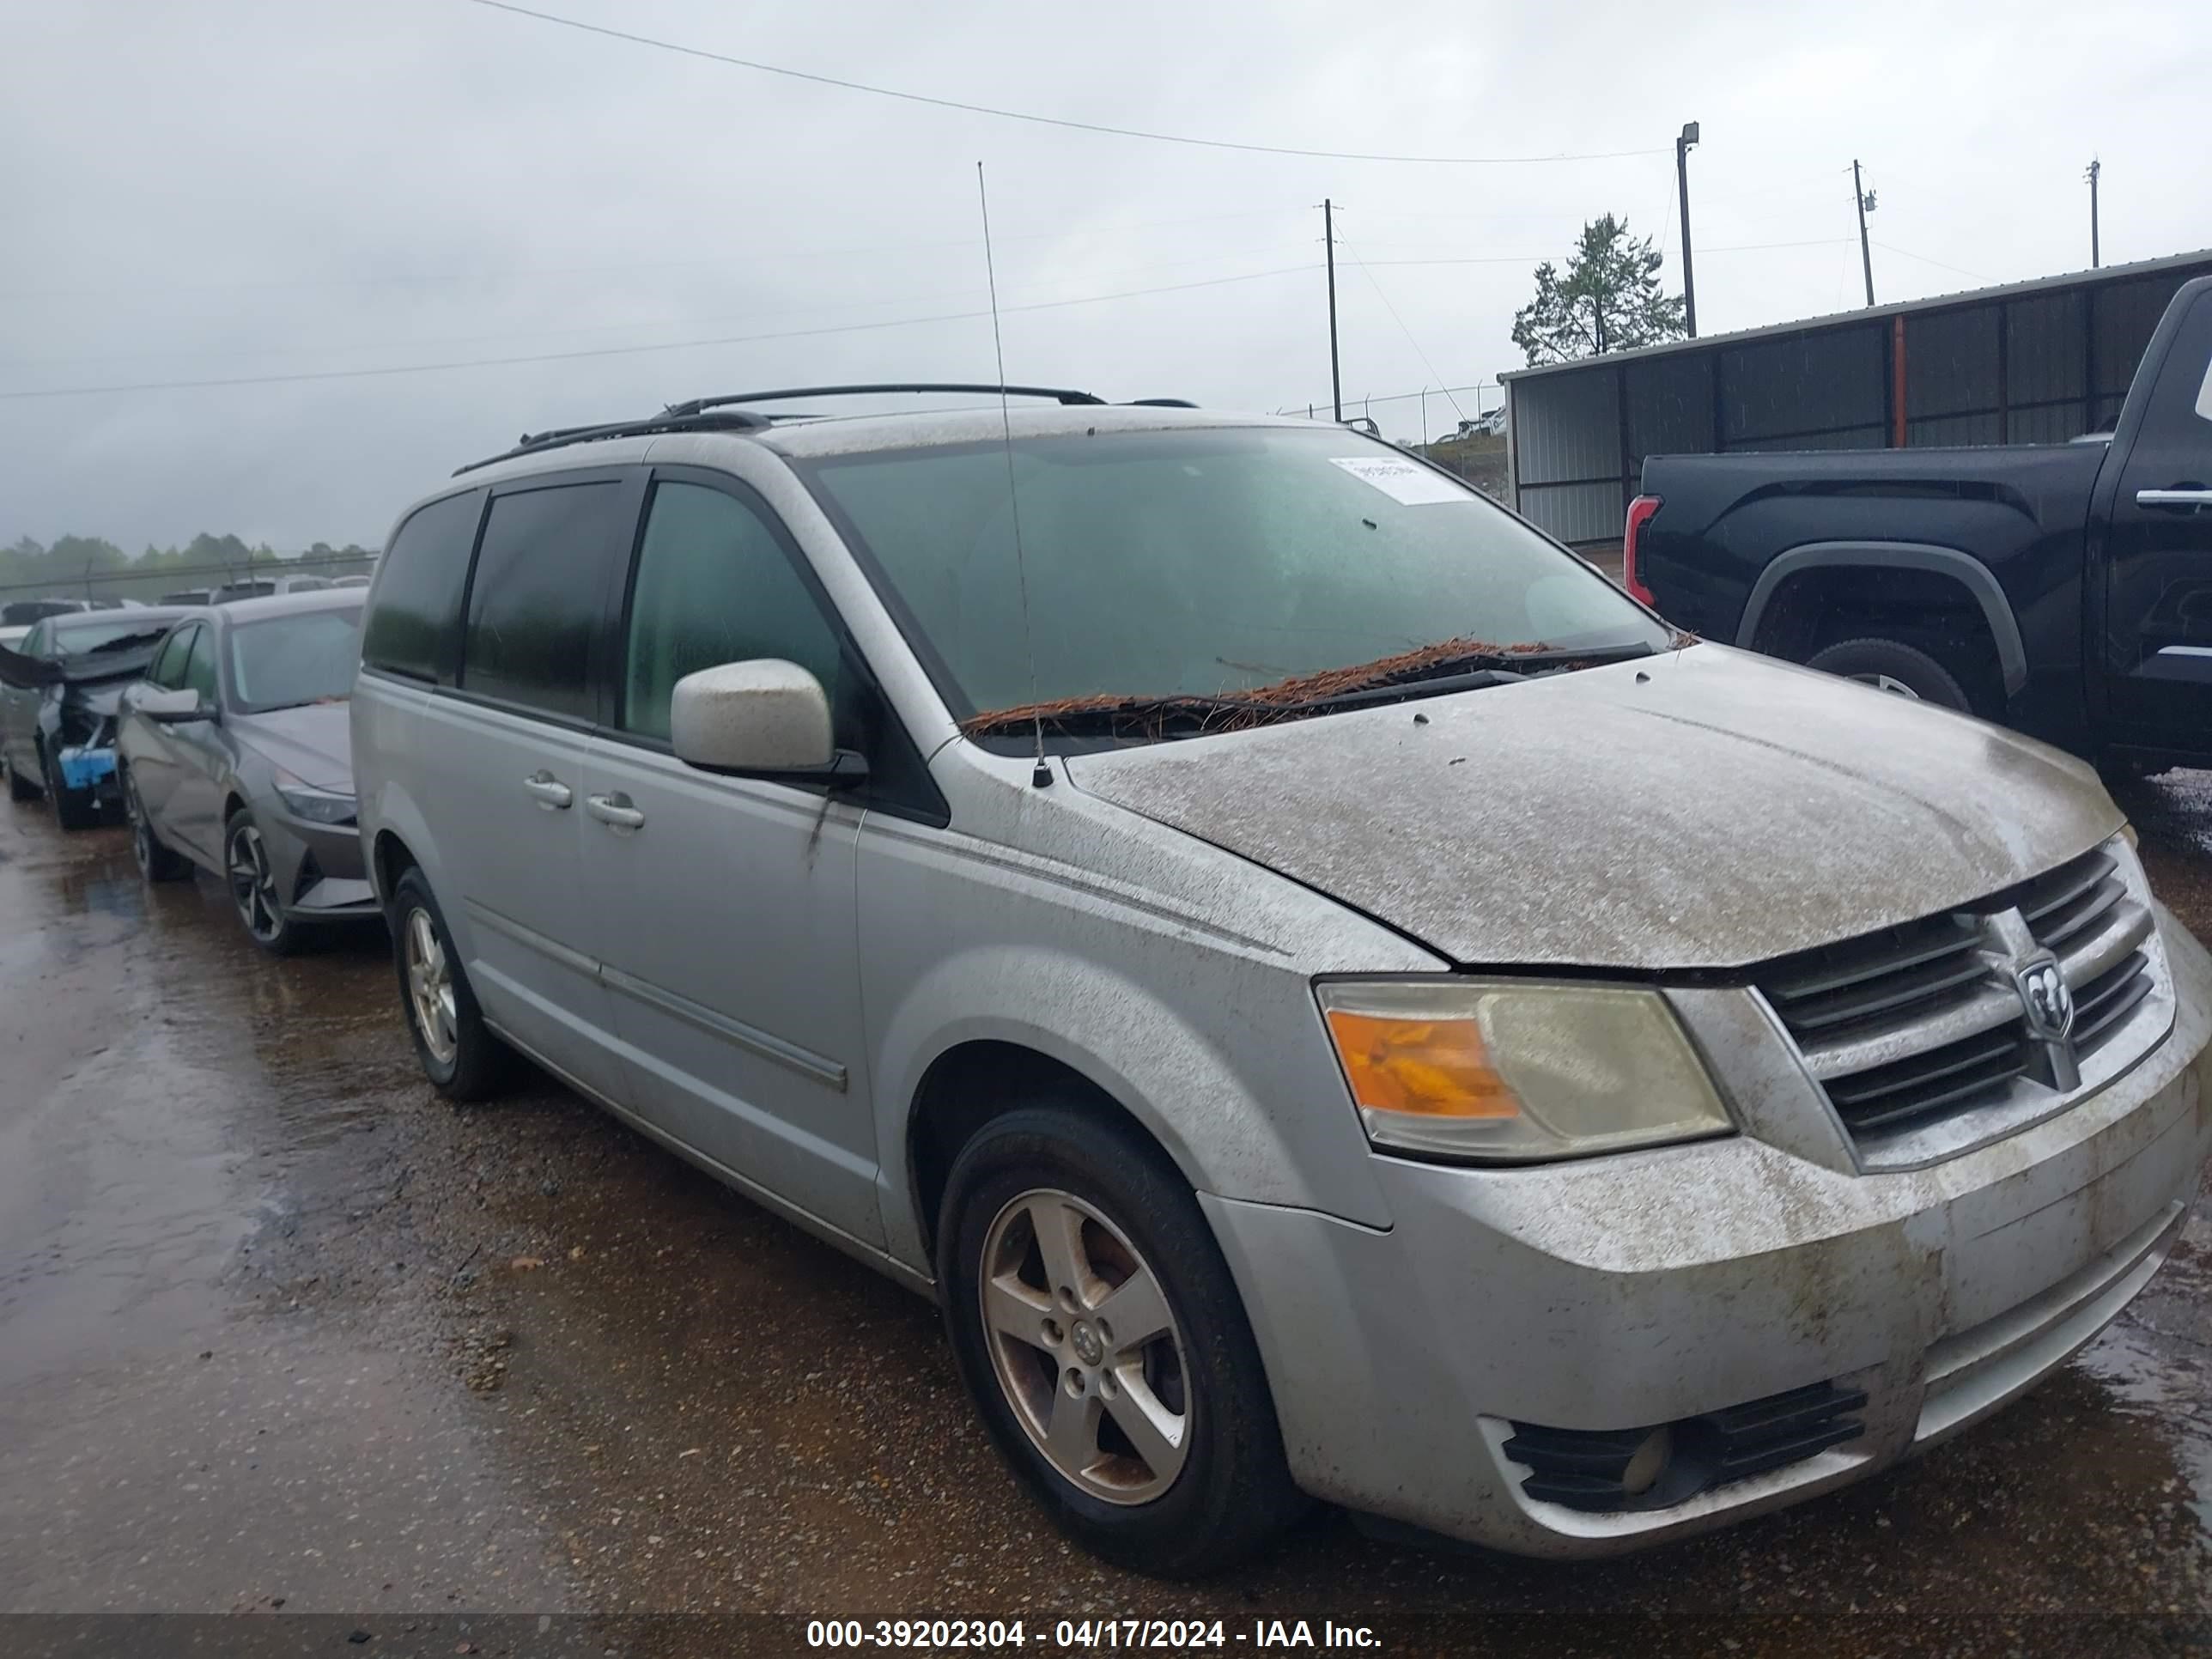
(1893, 666)
(1101, 1338)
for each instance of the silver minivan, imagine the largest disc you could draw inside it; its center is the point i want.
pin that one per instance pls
(1334, 1000)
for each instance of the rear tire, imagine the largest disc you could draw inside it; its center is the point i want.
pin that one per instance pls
(155, 861)
(1893, 666)
(459, 1054)
(19, 786)
(1199, 1481)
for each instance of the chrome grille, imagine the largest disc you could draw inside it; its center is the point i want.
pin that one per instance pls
(2105, 1001)
(1915, 1026)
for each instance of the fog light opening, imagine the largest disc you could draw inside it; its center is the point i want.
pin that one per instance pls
(1647, 1462)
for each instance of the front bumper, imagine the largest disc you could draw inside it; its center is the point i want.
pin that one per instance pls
(1645, 1289)
(319, 868)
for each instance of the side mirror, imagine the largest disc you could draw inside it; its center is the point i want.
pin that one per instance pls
(177, 707)
(765, 718)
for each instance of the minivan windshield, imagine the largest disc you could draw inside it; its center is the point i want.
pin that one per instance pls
(286, 661)
(1221, 569)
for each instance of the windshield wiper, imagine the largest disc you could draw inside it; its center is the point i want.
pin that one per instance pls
(1102, 716)
(1442, 674)
(1395, 679)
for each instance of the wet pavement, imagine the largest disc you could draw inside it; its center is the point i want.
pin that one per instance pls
(281, 1329)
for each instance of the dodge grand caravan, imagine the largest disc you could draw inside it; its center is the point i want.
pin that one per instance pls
(1333, 999)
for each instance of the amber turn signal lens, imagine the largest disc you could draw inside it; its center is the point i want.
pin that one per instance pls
(1434, 1067)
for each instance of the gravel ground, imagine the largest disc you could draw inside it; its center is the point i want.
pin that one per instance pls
(281, 1330)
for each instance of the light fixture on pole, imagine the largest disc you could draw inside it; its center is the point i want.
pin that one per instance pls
(1682, 144)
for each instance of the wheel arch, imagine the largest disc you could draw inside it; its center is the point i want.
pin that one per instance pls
(970, 1084)
(1977, 584)
(982, 1028)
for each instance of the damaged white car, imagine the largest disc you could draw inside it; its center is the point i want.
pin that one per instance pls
(1333, 999)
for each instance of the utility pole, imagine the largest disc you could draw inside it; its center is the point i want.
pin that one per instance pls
(1865, 198)
(1689, 137)
(2095, 167)
(1328, 237)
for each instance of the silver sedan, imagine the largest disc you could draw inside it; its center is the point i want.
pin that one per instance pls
(234, 755)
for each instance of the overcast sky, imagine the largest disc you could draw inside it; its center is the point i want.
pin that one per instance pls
(235, 189)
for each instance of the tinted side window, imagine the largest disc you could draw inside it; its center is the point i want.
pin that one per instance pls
(34, 642)
(199, 667)
(414, 623)
(168, 668)
(714, 586)
(539, 596)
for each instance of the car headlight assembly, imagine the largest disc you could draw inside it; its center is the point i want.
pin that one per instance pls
(303, 800)
(1517, 1072)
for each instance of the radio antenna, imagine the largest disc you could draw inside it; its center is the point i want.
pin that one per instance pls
(1041, 774)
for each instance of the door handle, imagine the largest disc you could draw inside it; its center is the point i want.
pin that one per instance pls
(617, 809)
(2174, 500)
(548, 791)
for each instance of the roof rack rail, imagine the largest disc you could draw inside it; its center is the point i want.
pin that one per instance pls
(1161, 403)
(683, 420)
(1058, 394)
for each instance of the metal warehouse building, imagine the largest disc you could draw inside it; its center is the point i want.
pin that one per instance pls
(2035, 362)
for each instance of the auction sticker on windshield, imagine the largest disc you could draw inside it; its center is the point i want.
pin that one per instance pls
(1402, 480)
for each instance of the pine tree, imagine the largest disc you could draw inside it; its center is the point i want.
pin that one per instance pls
(1608, 299)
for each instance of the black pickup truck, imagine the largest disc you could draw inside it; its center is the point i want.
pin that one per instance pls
(2064, 589)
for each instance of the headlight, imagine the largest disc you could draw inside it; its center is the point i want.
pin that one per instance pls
(317, 805)
(1511, 1072)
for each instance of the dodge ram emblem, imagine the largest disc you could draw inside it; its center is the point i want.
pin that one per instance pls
(2049, 1004)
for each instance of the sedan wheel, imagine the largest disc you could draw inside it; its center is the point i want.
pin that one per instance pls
(1084, 1344)
(253, 887)
(155, 861)
(430, 988)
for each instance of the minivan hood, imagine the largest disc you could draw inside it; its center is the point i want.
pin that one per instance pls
(1702, 809)
(314, 743)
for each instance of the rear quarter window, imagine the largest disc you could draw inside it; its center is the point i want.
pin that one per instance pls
(414, 623)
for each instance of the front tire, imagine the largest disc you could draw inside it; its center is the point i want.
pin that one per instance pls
(1098, 1331)
(254, 893)
(73, 809)
(1894, 666)
(459, 1054)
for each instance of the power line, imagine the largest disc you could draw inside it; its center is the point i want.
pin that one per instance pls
(1401, 321)
(1048, 121)
(1408, 396)
(1537, 259)
(436, 279)
(422, 343)
(1892, 247)
(632, 351)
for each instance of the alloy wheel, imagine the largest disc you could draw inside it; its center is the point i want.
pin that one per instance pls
(1896, 688)
(142, 834)
(253, 885)
(430, 988)
(1084, 1346)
